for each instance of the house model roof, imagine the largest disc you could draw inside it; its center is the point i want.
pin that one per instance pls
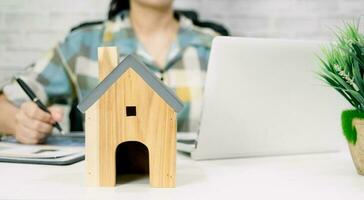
(149, 77)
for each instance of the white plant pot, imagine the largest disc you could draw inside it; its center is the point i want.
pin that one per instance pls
(357, 150)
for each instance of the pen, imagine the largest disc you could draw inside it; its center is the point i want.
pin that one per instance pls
(36, 100)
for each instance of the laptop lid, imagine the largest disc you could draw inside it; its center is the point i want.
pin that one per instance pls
(262, 97)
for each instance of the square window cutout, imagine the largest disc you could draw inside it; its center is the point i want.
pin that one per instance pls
(130, 111)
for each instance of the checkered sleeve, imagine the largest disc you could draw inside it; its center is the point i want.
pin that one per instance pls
(50, 77)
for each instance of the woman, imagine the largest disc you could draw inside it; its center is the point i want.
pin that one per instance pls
(172, 45)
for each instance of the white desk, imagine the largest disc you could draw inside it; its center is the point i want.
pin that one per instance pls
(319, 176)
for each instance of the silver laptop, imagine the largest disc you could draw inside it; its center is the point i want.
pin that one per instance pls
(263, 97)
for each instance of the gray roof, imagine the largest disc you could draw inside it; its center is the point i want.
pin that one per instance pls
(149, 77)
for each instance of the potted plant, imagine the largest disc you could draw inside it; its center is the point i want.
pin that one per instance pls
(343, 69)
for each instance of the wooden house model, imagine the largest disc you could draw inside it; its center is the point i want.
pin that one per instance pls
(129, 104)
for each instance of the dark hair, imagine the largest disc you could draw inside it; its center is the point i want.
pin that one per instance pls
(116, 6)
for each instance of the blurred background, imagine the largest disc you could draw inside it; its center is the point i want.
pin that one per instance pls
(30, 27)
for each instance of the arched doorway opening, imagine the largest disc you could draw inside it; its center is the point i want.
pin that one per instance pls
(132, 162)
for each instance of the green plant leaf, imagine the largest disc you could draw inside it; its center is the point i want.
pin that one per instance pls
(342, 64)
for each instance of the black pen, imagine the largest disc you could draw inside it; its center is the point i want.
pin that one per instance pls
(36, 100)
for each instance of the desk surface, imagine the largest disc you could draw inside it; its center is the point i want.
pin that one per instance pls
(316, 176)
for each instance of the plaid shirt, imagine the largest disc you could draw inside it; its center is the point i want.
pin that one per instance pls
(70, 69)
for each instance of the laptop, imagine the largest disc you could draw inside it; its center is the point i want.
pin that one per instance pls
(263, 97)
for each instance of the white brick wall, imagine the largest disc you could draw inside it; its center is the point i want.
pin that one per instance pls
(30, 27)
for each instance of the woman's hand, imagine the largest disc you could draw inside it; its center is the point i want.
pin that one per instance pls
(33, 125)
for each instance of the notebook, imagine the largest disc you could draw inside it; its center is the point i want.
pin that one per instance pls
(58, 150)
